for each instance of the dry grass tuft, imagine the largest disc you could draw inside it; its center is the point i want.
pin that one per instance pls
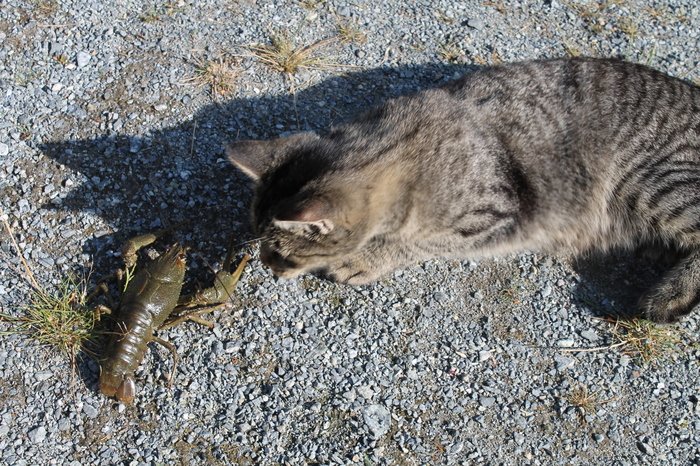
(44, 8)
(284, 56)
(219, 74)
(349, 31)
(450, 52)
(584, 400)
(311, 4)
(643, 339)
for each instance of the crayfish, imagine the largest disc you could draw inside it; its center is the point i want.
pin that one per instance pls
(149, 300)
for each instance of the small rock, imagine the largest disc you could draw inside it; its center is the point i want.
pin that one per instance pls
(344, 11)
(160, 107)
(564, 362)
(487, 401)
(598, 437)
(37, 435)
(360, 53)
(135, 145)
(4, 149)
(519, 438)
(377, 418)
(568, 343)
(43, 375)
(243, 427)
(546, 291)
(645, 448)
(456, 448)
(55, 48)
(475, 23)
(83, 59)
(90, 411)
(614, 436)
(64, 423)
(589, 335)
(350, 395)
(365, 392)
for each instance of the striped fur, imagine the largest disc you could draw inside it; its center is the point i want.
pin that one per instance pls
(556, 155)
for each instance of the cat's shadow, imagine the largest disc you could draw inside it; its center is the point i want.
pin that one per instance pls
(612, 283)
(139, 184)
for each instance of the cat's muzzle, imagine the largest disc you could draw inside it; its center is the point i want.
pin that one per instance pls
(280, 266)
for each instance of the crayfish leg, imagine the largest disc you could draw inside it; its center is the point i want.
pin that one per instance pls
(103, 289)
(171, 347)
(192, 315)
(224, 286)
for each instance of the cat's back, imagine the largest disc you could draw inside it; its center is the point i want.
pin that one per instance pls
(595, 102)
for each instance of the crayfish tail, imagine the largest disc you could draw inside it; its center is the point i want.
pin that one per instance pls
(127, 390)
(107, 388)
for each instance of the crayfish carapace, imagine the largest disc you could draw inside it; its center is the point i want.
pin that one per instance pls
(151, 301)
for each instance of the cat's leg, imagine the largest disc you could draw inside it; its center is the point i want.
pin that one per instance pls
(372, 262)
(677, 294)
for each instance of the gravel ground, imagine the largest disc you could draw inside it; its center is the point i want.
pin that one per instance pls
(108, 131)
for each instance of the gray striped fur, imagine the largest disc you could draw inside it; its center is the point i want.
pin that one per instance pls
(557, 155)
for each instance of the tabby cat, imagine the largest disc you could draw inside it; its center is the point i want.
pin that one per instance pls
(555, 155)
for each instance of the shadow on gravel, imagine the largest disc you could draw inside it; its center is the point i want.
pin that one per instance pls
(141, 184)
(613, 283)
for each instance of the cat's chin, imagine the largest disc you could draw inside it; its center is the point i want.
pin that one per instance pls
(287, 273)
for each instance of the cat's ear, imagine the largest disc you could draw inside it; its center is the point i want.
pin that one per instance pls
(254, 158)
(311, 217)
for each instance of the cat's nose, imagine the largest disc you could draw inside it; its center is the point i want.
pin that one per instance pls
(275, 261)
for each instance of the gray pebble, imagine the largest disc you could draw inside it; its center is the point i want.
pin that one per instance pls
(645, 448)
(4, 149)
(37, 435)
(64, 423)
(83, 59)
(43, 375)
(546, 291)
(377, 419)
(564, 362)
(487, 401)
(589, 335)
(90, 411)
(344, 11)
(475, 23)
(456, 448)
(135, 145)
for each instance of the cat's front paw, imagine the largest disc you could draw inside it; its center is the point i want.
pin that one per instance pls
(351, 272)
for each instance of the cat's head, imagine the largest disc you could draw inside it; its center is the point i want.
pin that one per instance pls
(306, 213)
